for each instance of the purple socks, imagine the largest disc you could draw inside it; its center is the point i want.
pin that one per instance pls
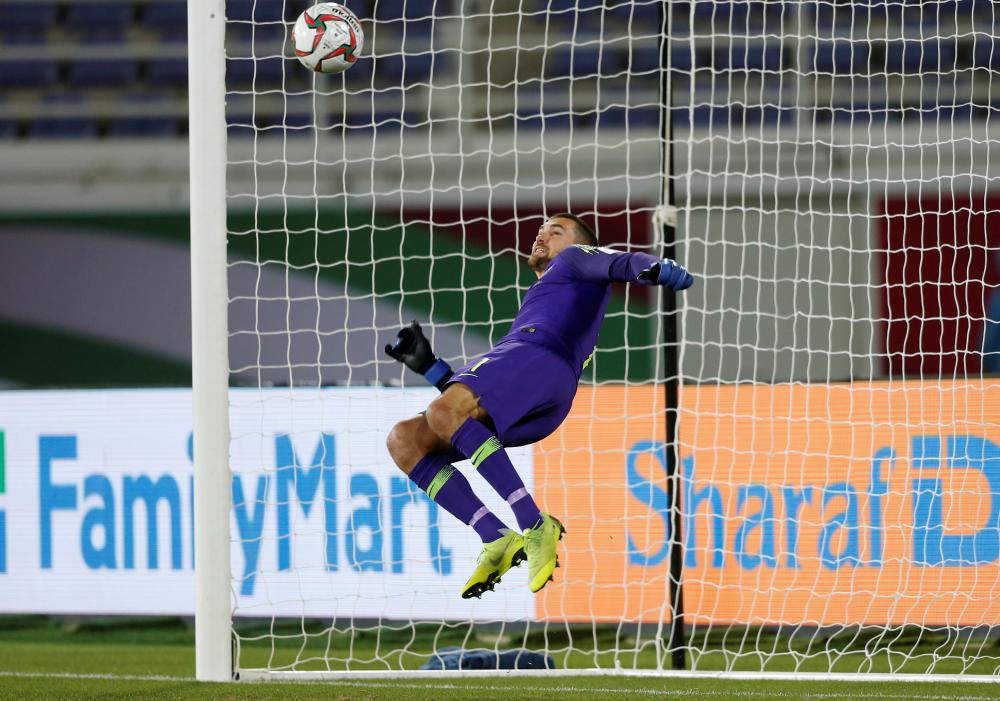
(448, 487)
(484, 449)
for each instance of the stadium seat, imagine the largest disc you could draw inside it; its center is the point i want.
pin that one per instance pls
(14, 38)
(8, 129)
(714, 116)
(102, 73)
(917, 56)
(420, 9)
(26, 21)
(768, 115)
(405, 69)
(103, 16)
(143, 127)
(167, 72)
(683, 57)
(165, 15)
(952, 114)
(842, 56)
(986, 53)
(62, 128)
(536, 121)
(572, 5)
(644, 117)
(640, 13)
(104, 36)
(263, 73)
(583, 61)
(28, 74)
(569, 14)
(756, 16)
(254, 10)
(240, 125)
(856, 115)
(644, 58)
(753, 56)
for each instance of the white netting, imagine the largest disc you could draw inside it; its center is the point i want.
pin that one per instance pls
(838, 426)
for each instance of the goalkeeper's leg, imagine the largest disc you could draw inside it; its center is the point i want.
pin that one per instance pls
(446, 486)
(457, 411)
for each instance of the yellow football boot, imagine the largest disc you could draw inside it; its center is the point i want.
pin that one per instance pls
(496, 558)
(540, 545)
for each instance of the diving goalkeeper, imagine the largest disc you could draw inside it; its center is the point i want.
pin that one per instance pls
(516, 394)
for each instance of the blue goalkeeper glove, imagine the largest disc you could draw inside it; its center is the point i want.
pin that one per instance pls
(668, 273)
(413, 350)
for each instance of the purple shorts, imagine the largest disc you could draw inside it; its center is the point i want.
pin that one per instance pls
(527, 390)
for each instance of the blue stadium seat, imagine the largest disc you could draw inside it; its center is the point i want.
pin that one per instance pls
(63, 128)
(261, 73)
(143, 127)
(27, 18)
(14, 38)
(420, 9)
(858, 115)
(572, 5)
(714, 116)
(756, 16)
(165, 15)
(107, 16)
(260, 33)
(167, 72)
(640, 13)
(361, 73)
(754, 56)
(952, 114)
(408, 69)
(768, 115)
(986, 53)
(584, 61)
(255, 10)
(534, 121)
(842, 56)
(919, 56)
(644, 58)
(583, 15)
(102, 73)
(682, 55)
(381, 122)
(28, 74)
(240, 125)
(104, 36)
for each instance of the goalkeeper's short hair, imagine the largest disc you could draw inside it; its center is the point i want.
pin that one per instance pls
(584, 234)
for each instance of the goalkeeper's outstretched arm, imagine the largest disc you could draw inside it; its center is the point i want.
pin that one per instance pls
(413, 350)
(605, 264)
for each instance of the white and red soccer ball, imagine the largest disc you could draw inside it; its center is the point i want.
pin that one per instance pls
(327, 38)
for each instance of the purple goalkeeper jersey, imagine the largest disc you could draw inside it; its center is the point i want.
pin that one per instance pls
(564, 310)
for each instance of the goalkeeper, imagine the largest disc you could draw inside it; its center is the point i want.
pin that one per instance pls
(516, 394)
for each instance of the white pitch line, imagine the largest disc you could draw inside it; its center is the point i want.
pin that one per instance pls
(110, 677)
(676, 693)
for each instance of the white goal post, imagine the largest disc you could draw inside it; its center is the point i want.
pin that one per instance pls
(835, 170)
(210, 338)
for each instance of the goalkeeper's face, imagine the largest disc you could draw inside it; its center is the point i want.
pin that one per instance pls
(555, 235)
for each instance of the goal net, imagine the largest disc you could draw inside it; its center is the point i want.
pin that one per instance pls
(837, 449)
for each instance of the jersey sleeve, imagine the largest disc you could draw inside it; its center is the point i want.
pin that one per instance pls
(605, 264)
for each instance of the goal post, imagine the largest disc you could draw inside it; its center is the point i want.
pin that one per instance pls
(210, 339)
(815, 459)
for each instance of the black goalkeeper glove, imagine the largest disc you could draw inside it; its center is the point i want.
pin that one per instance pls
(669, 274)
(413, 350)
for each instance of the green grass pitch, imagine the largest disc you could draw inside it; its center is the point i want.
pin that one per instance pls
(154, 659)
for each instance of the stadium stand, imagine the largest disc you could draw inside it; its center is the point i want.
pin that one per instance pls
(105, 53)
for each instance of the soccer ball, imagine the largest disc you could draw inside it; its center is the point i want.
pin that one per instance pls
(327, 38)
